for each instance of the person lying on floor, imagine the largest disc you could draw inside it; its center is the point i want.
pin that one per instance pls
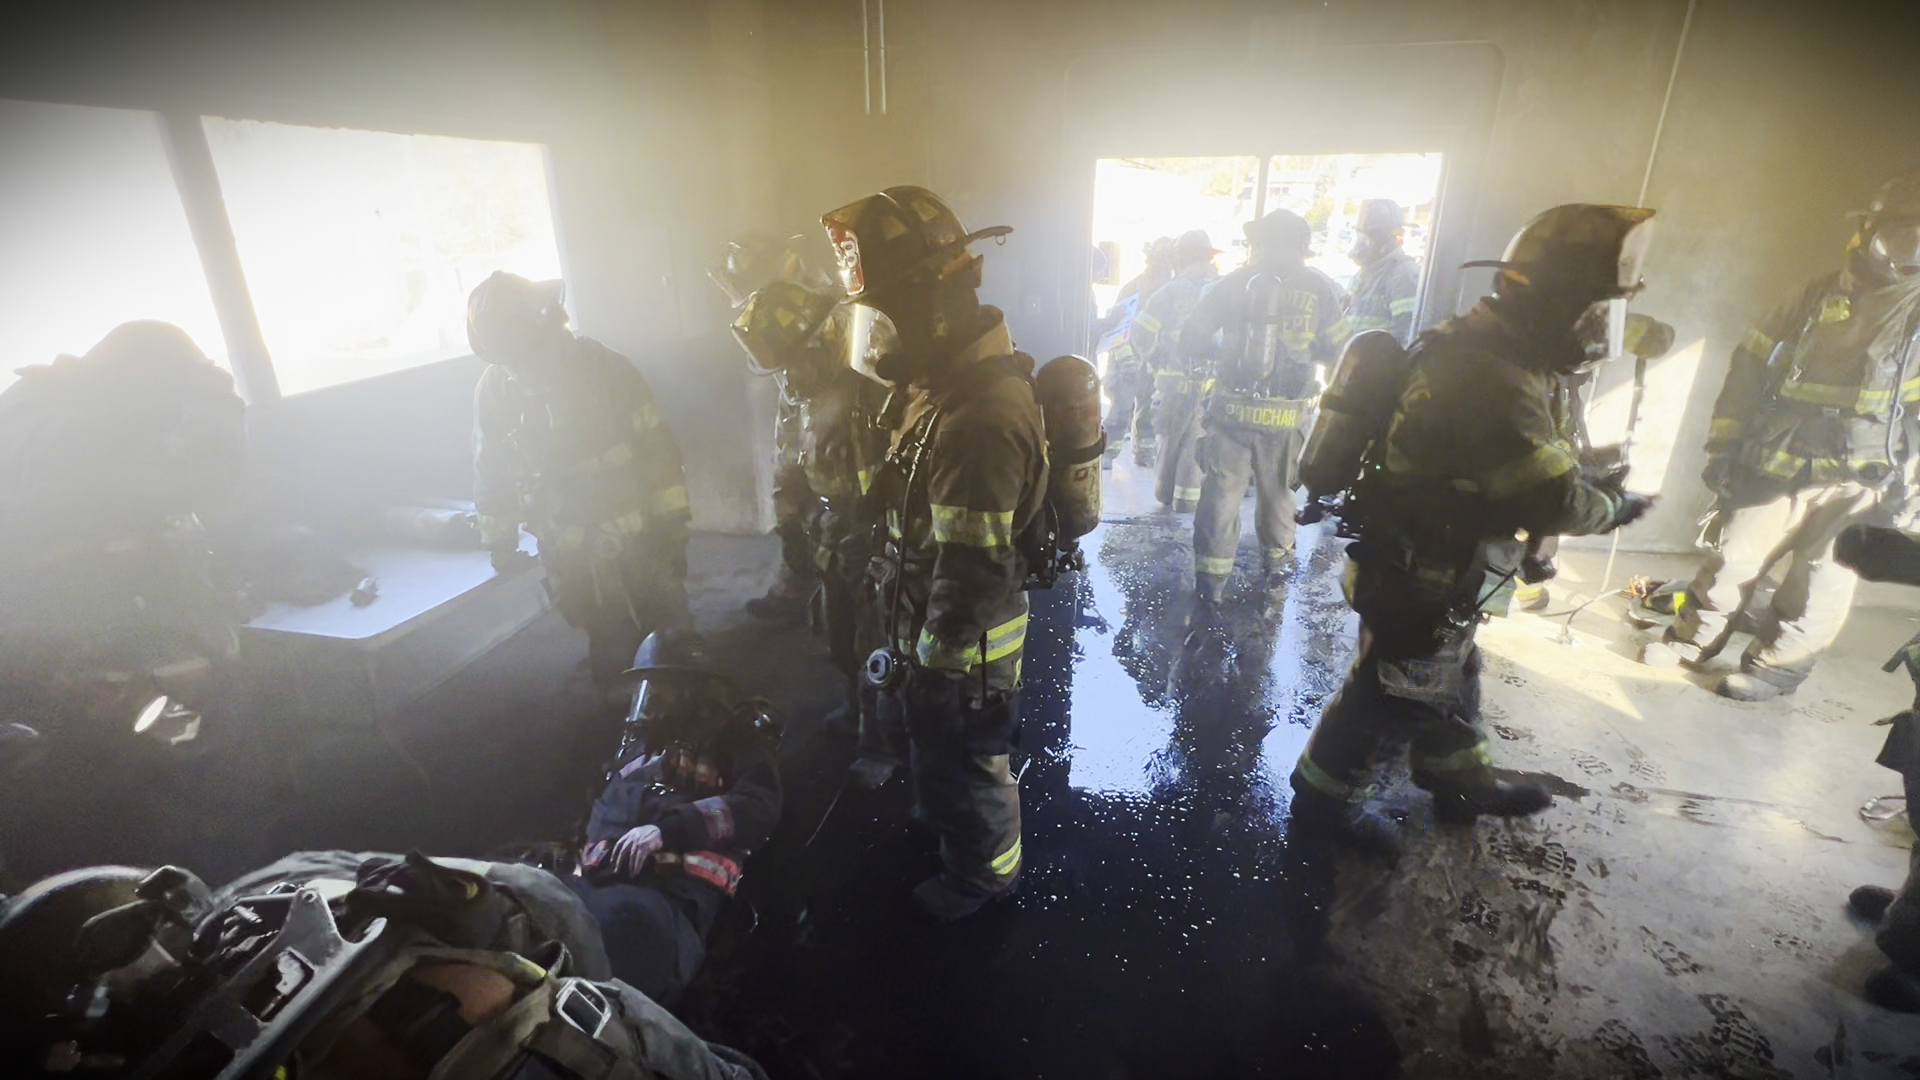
(694, 790)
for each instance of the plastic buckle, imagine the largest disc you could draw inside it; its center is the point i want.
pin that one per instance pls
(582, 1005)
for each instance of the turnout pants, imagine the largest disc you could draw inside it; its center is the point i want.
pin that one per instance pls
(1434, 699)
(1131, 410)
(1229, 456)
(1792, 535)
(1177, 414)
(1899, 934)
(962, 776)
(793, 499)
(618, 601)
(656, 935)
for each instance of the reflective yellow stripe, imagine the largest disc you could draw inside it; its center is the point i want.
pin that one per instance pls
(1212, 565)
(1005, 863)
(975, 528)
(1363, 323)
(1544, 464)
(1275, 554)
(1320, 780)
(866, 480)
(1340, 329)
(1007, 638)
(1401, 307)
(629, 524)
(1835, 309)
(1280, 413)
(1186, 494)
(937, 654)
(1144, 321)
(1727, 430)
(670, 500)
(646, 417)
(1837, 397)
(1782, 464)
(1758, 343)
(1472, 758)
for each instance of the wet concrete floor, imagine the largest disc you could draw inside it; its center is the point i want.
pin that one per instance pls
(1678, 913)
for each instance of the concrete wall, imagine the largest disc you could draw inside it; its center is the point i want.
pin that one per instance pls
(1784, 115)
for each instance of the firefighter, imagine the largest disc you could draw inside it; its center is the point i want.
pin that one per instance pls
(1129, 382)
(1812, 430)
(1177, 389)
(1883, 554)
(801, 335)
(750, 263)
(1278, 320)
(1466, 454)
(964, 481)
(569, 442)
(1386, 289)
(693, 791)
(377, 967)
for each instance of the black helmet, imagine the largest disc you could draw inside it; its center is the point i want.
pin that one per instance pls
(1580, 251)
(902, 236)
(39, 965)
(1281, 232)
(1889, 229)
(676, 688)
(675, 652)
(1194, 246)
(1160, 251)
(512, 320)
(1379, 215)
(780, 321)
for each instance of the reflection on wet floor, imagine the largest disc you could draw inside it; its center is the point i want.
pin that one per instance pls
(1163, 929)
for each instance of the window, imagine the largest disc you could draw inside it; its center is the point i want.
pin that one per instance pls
(95, 234)
(360, 247)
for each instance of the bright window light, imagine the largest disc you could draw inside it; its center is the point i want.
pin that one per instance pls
(95, 234)
(360, 247)
(1138, 199)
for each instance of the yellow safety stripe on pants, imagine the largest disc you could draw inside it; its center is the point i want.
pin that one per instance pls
(1401, 307)
(1783, 464)
(1146, 322)
(1002, 641)
(866, 480)
(1007, 638)
(1543, 464)
(974, 528)
(1363, 323)
(1726, 429)
(1213, 565)
(1275, 554)
(1472, 758)
(1340, 330)
(1186, 494)
(1005, 863)
(670, 500)
(646, 417)
(1758, 343)
(1322, 781)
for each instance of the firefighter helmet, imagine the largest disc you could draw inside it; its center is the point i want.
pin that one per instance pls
(1380, 215)
(1194, 246)
(1580, 251)
(899, 237)
(511, 319)
(755, 260)
(1160, 251)
(779, 322)
(1890, 226)
(1281, 234)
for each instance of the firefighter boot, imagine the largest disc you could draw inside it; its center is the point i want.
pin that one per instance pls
(1870, 902)
(1317, 815)
(1500, 798)
(948, 899)
(1895, 990)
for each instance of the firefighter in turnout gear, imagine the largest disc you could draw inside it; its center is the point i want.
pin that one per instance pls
(693, 791)
(1278, 321)
(1469, 453)
(751, 263)
(1129, 381)
(568, 441)
(1813, 430)
(964, 482)
(1386, 289)
(1178, 389)
(329, 965)
(802, 335)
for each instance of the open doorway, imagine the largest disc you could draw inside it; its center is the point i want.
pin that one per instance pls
(1136, 200)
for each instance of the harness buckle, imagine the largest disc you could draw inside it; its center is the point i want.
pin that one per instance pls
(581, 1004)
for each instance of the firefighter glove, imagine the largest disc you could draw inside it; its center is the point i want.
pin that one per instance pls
(627, 855)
